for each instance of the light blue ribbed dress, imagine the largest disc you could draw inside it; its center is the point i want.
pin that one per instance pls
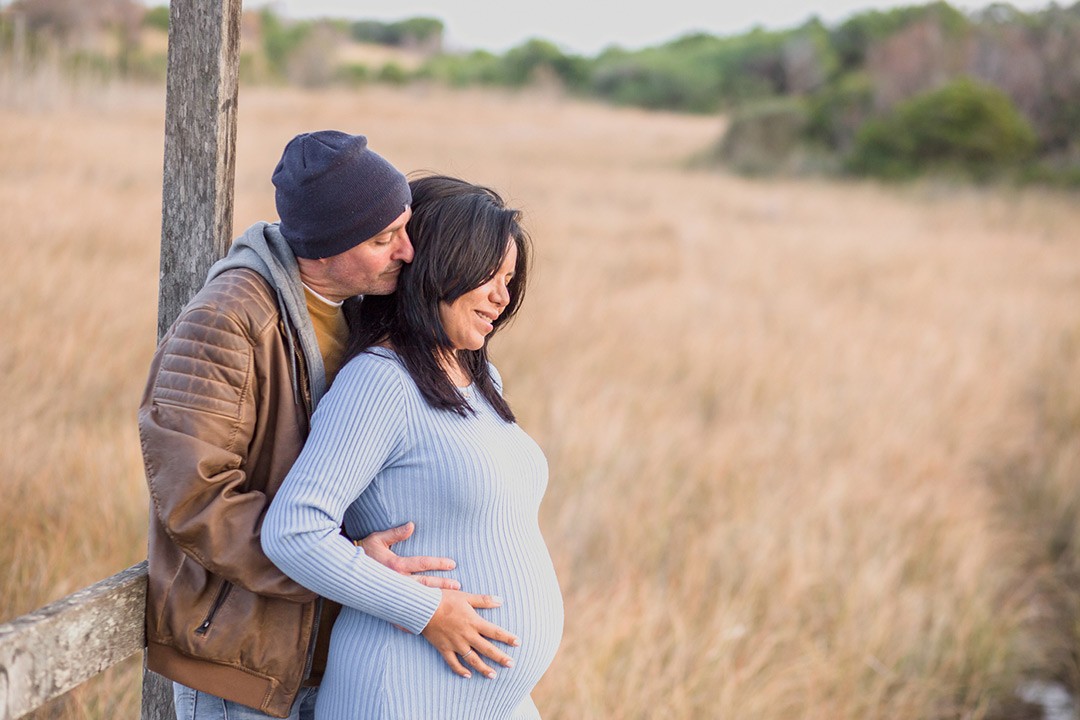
(379, 456)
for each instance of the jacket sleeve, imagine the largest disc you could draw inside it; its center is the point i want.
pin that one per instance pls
(196, 422)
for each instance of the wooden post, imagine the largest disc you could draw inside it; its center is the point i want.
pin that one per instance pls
(200, 147)
(200, 167)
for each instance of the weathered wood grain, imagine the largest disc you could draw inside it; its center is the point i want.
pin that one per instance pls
(47, 652)
(157, 696)
(200, 146)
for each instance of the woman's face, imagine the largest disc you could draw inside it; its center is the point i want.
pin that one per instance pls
(469, 319)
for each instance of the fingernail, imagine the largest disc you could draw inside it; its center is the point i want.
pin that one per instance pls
(515, 642)
(452, 565)
(497, 598)
(509, 663)
(467, 675)
(491, 675)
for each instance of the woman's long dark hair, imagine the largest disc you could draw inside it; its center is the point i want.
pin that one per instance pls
(459, 233)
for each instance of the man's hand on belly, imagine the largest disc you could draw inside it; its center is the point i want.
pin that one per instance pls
(377, 547)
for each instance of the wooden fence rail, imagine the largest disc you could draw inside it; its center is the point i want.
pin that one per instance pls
(51, 650)
(47, 652)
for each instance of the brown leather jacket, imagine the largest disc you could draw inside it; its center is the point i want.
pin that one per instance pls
(220, 427)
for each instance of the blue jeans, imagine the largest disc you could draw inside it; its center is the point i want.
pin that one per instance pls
(197, 705)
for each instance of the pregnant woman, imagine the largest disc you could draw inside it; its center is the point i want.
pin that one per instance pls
(415, 428)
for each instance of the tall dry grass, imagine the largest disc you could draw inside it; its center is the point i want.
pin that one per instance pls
(783, 418)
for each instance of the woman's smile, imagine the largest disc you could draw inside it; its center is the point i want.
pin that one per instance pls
(470, 318)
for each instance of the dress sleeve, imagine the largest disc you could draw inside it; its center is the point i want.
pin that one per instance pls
(359, 428)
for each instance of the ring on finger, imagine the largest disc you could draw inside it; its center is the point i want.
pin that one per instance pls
(466, 655)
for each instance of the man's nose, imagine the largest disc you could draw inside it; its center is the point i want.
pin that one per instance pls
(405, 249)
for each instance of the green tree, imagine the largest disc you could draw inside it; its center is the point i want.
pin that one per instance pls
(281, 40)
(964, 126)
(419, 30)
(853, 38)
(413, 31)
(520, 64)
(157, 17)
(479, 67)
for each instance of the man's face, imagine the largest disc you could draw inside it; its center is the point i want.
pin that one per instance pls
(373, 266)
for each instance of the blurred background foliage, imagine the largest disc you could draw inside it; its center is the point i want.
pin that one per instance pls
(984, 95)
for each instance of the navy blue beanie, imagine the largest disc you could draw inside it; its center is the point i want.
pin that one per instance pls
(333, 193)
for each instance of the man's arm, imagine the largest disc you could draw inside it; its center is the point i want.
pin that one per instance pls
(196, 422)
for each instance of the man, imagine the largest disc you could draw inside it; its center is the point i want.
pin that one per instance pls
(227, 407)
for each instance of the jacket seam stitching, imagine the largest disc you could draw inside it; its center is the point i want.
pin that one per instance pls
(245, 393)
(181, 373)
(167, 355)
(172, 403)
(253, 284)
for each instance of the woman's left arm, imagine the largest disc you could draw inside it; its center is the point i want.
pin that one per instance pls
(359, 427)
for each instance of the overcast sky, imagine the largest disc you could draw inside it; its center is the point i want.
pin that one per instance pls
(588, 26)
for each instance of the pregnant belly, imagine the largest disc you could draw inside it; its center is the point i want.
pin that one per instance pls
(521, 573)
(532, 610)
(368, 658)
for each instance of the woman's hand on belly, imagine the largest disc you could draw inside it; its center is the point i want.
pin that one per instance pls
(456, 629)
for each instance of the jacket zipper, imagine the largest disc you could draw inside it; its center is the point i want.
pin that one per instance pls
(301, 366)
(218, 602)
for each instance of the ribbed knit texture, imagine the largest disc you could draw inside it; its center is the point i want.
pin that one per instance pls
(379, 456)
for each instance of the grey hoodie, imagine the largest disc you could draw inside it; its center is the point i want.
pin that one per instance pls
(262, 248)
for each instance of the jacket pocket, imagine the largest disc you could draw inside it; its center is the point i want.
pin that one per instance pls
(208, 621)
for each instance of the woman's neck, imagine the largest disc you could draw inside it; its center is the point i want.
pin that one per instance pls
(451, 365)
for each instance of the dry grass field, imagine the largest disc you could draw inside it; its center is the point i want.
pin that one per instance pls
(815, 446)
